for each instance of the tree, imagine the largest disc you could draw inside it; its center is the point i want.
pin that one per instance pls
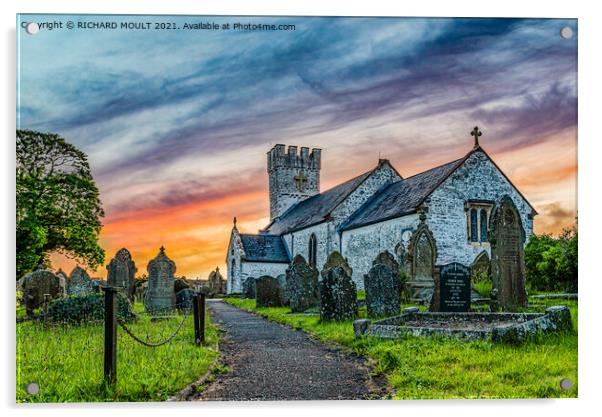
(58, 205)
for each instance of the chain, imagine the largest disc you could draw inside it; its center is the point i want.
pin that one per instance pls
(147, 344)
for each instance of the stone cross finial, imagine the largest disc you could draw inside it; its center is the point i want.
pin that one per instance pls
(300, 180)
(162, 249)
(234, 221)
(476, 133)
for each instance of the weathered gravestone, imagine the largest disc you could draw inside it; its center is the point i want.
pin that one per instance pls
(38, 288)
(160, 295)
(283, 290)
(184, 299)
(248, 288)
(80, 283)
(216, 282)
(268, 292)
(302, 285)
(383, 287)
(121, 272)
(337, 290)
(62, 282)
(452, 289)
(507, 237)
(180, 284)
(422, 254)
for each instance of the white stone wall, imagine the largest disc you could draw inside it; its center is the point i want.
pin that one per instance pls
(476, 179)
(360, 246)
(257, 269)
(327, 241)
(382, 175)
(233, 284)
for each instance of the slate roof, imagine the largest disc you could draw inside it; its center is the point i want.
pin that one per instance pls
(264, 248)
(401, 197)
(315, 209)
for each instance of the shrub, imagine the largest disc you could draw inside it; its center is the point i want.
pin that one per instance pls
(87, 308)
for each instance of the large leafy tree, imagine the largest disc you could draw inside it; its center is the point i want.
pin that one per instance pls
(58, 206)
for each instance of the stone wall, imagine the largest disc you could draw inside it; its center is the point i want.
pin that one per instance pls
(476, 179)
(234, 273)
(257, 269)
(360, 246)
(326, 237)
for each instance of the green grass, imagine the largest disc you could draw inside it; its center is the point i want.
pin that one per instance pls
(67, 361)
(483, 287)
(447, 368)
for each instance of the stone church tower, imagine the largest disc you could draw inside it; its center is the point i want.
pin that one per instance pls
(293, 177)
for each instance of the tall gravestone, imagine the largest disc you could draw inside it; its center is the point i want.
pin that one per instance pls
(38, 288)
(283, 290)
(267, 292)
(507, 239)
(80, 283)
(122, 272)
(248, 288)
(383, 287)
(452, 289)
(337, 290)
(302, 285)
(160, 294)
(422, 255)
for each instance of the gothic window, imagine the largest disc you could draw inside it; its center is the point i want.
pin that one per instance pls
(313, 250)
(483, 225)
(477, 218)
(474, 236)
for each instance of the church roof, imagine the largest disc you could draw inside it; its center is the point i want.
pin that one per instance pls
(315, 209)
(401, 197)
(264, 248)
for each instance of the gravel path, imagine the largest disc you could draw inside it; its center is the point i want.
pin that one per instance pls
(269, 361)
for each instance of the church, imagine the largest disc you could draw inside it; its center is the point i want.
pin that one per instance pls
(440, 214)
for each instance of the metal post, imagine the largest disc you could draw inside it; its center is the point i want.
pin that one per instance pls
(110, 334)
(199, 318)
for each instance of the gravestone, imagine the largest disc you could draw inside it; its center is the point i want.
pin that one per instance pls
(216, 282)
(184, 299)
(302, 285)
(452, 290)
(180, 284)
(507, 238)
(38, 288)
(160, 295)
(422, 254)
(383, 287)
(337, 290)
(121, 272)
(267, 292)
(62, 282)
(80, 283)
(283, 290)
(248, 288)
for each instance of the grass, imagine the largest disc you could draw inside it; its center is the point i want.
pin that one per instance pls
(67, 361)
(437, 368)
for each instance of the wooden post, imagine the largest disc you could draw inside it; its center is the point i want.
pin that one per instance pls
(110, 335)
(199, 318)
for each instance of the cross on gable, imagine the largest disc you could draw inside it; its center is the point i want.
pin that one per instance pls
(300, 181)
(476, 133)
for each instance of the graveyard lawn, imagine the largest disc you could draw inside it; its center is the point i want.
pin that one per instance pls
(66, 361)
(437, 368)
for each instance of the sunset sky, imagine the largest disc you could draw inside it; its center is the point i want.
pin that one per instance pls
(177, 123)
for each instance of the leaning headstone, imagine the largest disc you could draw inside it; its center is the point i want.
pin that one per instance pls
(452, 289)
(248, 288)
(160, 296)
(267, 292)
(507, 237)
(80, 283)
(121, 272)
(337, 290)
(38, 288)
(302, 285)
(383, 287)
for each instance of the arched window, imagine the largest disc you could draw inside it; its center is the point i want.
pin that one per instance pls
(233, 268)
(313, 250)
(474, 229)
(483, 225)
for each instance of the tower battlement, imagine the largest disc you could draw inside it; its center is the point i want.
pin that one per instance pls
(293, 157)
(294, 176)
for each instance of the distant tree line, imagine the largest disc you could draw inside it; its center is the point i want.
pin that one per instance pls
(551, 262)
